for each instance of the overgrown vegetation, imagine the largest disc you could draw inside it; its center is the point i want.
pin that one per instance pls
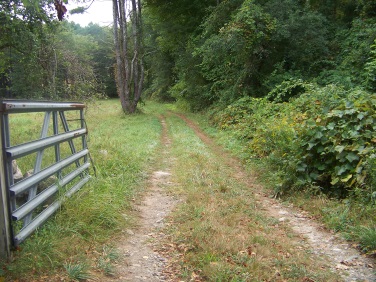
(321, 142)
(41, 58)
(227, 50)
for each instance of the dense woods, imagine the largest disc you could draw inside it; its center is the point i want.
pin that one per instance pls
(219, 51)
(198, 53)
(42, 58)
(294, 81)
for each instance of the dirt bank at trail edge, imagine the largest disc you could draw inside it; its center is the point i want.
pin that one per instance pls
(341, 256)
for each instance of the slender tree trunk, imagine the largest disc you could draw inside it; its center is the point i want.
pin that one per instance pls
(136, 62)
(129, 71)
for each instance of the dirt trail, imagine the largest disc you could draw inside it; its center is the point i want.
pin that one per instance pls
(142, 262)
(342, 258)
(139, 261)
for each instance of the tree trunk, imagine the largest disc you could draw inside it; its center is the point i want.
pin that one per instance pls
(130, 70)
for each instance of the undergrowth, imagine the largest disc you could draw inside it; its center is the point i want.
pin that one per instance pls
(321, 143)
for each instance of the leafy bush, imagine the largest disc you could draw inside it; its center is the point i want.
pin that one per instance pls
(264, 129)
(370, 68)
(271, 137)
(288, 89)
(244, 116)
(337, 143)
(322, 139)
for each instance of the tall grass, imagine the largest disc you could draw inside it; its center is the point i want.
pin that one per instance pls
(122, 148)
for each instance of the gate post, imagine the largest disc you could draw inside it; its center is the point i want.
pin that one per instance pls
(5, 232)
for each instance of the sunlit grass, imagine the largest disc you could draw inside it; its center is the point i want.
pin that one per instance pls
(122, 148)
(77, 271)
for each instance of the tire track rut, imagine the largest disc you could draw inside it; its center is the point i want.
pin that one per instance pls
(140, 261)
(341, 256)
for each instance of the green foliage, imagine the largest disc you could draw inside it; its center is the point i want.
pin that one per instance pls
(78, 10)
(367, 8)
(342, 11)
(240, 43)
(338, 142)
(356, 52)
(23, 38)
(45, 59)
(303, 40)
(288, 89)
(244, 116)
(77, 271)
(101, 56)
(20, 40)
(324, 138)
(169, 28)
(232, 51)
(75, 75)
(370, 69)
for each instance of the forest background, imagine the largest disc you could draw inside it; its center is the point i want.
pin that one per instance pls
(293, 81)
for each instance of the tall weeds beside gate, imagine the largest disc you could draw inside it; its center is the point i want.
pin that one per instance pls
(82, 228)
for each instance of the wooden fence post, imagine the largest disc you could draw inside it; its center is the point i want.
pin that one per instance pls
(5, 232)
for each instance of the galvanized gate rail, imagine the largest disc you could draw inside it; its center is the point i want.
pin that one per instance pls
(24, 203)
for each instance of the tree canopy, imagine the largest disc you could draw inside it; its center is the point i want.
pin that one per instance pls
(199, 53)
(206, 52)
(43, 58)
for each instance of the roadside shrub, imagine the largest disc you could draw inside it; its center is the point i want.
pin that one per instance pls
(266, 130)
(337, 143)
(244, 116)
(272, 137)
(323, 139)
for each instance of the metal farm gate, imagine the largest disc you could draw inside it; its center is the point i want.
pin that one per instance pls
(55, 162)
